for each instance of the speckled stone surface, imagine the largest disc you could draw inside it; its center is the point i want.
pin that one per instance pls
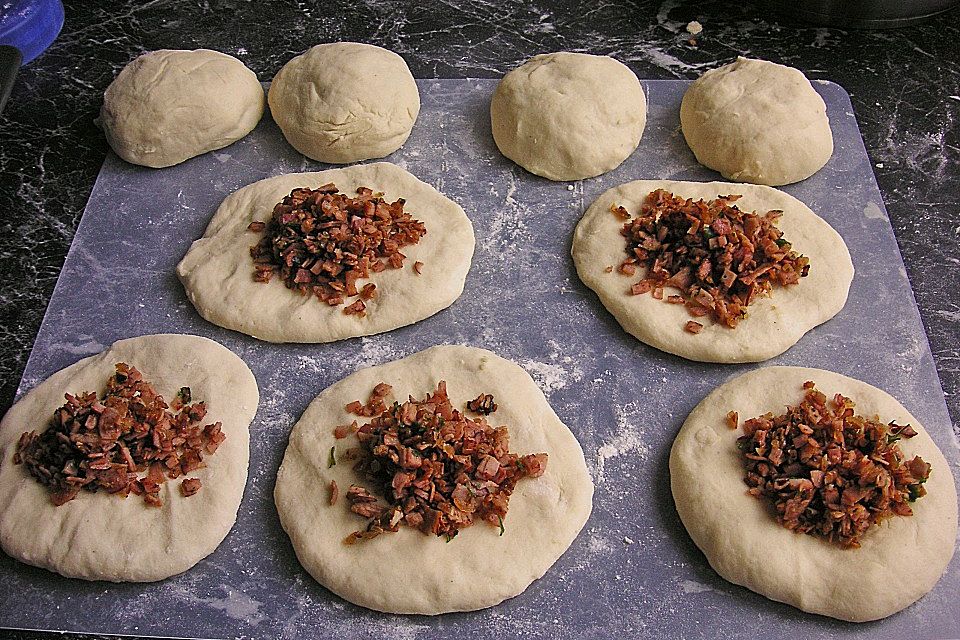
(905, 88)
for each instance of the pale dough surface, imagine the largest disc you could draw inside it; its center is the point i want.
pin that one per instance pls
(170, 105)
(345, 101)
(773, 324)
(899, 561)
(756, 121)
(567, 116)
(98, 536)
(409, 572)
(218, 271)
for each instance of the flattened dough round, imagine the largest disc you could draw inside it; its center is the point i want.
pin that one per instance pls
(98, 536)
(756, 121)
(345, 101)
(567, 116)
(409, 572)
(899, 561)
(168, 106)
(773, 323)
(217, 271)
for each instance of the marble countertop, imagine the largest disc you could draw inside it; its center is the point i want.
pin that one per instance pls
(904, 84)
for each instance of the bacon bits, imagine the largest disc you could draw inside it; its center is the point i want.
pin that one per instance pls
(435, 469)
(483, 403)
(693, 327)
(829, 472)
(321, 242)
(189, 487)
(109, 443)
(719, 257)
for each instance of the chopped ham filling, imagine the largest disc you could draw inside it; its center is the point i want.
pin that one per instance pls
(321, 242)
(827, 471)
(109, 443)
(719, 257)
(434, 468)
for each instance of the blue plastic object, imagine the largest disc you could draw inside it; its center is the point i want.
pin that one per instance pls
(30, 25)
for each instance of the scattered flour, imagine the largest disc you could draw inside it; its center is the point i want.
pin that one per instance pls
(376, 350)
(85, 346)
(873, 211)
(238, 606)
(690, 586)
(629, 439)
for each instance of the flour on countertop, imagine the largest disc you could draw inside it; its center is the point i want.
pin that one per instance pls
(629, 439)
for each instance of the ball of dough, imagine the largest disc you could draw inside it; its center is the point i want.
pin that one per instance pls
(345, 101)
(98, 536)
(899, 561)
(407, 571)
(568, 116)
(773, 324)
(168, 106)
(756, 121)
(217, 271)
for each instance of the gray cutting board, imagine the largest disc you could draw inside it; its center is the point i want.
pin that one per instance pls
(633, 570)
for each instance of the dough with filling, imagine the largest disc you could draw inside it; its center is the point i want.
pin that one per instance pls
(567, 116)
(168, 106)
(408, 571)
(900, 560)
(218, 270)
(756, 121)
(773, 324)
(345, 101)
(98, 536)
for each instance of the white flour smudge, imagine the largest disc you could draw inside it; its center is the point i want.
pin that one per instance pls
(85, 346)
(629, 439)
(238, 606)
(376, 350)
(873, 211)
(690, 586)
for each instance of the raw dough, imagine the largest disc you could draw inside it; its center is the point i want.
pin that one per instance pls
(567, 116)
(899, 561)
(409, 572)
(773, 324)
(756, 121)
(168, 106)
(217, 271)
(343, 102)
(98, 536)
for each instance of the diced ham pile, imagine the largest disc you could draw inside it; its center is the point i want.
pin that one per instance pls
(322, 242)
(108, 443)
(719, 257)
(827, 471)
(436, 469)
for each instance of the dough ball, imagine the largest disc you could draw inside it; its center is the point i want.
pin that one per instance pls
(567, 116)
(168, 106)
(344, 102)
(217, 272)
(899, 561)
(98, 536)
(773, 324)
(756, 121)
(408, 571)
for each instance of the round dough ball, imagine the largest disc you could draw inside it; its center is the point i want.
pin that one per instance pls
(217, 272)
(98, 536)
(408, 571)
(568, 116)
(345, 101)
(756, 121)
(168, 106)
(773, 324)
(899, 560)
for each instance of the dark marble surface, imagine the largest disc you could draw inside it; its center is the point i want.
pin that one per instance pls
(905, 87)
